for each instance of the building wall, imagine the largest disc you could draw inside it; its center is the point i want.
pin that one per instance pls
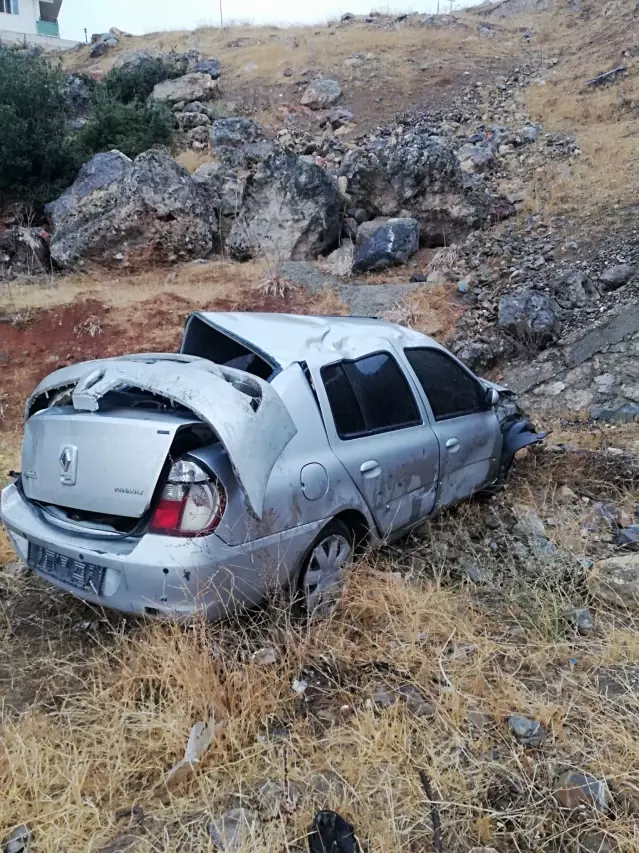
(25, 22)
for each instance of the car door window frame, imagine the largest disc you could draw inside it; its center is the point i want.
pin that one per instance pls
(442, 353)
(418, 422)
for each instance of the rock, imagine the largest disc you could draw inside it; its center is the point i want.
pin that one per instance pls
(583, 620)
(366, 229)
(24, 252)
(577, 790)
(290, 211)
(273, 799)
(235, 132)
(392, 244)
(77, 92)
(615, 277)
(416, 701)
(566, 494)
(190, 120)
(18, 841)
(421, 176)
(474, 573)
(528, 522)
(526, 731)
(616, 581)
(237, 829)
(150, 207)
(476, 158)
(529, 133)
(225, 185)
(341, 260)
(384, 698)
(529, 316)
(479, 720)
(211, 67)
(596, 842)
(627, 537)
(574, 290)
(266, 657)
(190, 87)
(321, 93)
(136, 57)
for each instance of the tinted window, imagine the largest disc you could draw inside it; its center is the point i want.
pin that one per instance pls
(450, 390)
(369, 395)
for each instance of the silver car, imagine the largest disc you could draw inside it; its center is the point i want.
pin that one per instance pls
(257, 458)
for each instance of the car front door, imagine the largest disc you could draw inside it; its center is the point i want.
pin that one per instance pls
(467, 428)
(379, 431)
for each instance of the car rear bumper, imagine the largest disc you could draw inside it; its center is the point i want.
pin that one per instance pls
(163, 575)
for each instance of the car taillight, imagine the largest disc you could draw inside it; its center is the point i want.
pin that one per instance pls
(192, 502)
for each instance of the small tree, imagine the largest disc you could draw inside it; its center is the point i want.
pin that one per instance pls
(129, 127)
(135, 83)
(37, 157)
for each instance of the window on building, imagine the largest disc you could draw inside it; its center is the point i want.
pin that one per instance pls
(451, 391)
(10, 7)
(368, 396)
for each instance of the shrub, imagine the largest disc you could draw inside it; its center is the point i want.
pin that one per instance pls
(37, 157)
(135, 83)
(130, 127)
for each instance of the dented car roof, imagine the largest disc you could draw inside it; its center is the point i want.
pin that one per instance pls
(290, 338)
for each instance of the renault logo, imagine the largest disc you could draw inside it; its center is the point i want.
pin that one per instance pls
(69, 464)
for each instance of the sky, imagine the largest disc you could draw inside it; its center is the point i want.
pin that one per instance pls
(144, 16)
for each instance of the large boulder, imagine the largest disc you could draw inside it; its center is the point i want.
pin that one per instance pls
(23, 252)
(122, 210)
(239, 141)
(290, 211)
(615, 277)
(529, 316)
(225, 188)
(420, 175)
(135, 57)
(321, 93)
(574, 290)
(190, 87)
(392, 244)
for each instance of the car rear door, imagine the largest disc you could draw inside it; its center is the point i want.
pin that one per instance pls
(466, 426)
(378, 428)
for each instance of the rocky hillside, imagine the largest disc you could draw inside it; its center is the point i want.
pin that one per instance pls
(473, 176)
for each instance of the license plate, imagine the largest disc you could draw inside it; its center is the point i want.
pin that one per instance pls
(77, 573)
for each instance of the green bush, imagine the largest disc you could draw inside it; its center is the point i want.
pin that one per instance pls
(136, 83)
(129, 127)
(38, 159)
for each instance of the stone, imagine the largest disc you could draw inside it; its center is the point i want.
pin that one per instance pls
(529, 133)
(136, 57)
(583, 620)
(77, 92)
(266, 657)
(528, 522)
(578, 790)
(341, 260)
(211, 67)
(574, 290)
(225, 185)
(616, 581)
(236, 829)
(273, 799)
(627, 537)
(529, 316)
(615, 277)
(290, 211)
(384, 698)
(479, 720)
(24, 252)
(150, 207)
(321, 93)
(526, 731)
(190, 87)
(190, 120)
(235, 132)
(422, 177)
(416, 702)
(366, 229)
(596, 842)
(18, 841)
(391, 245)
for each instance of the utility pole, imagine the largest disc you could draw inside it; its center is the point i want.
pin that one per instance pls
(221, 17)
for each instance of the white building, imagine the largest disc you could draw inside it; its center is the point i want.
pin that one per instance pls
(33, 22)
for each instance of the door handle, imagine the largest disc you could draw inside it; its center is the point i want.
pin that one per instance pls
(452, 444)
(371, 468)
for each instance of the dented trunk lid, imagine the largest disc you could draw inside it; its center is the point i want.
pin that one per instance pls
(98, 462)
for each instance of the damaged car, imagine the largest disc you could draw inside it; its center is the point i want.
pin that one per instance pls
(257, 458)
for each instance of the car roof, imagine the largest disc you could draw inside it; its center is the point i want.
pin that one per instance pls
(290, 338)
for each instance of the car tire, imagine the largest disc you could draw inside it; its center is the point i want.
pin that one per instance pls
(320, 578)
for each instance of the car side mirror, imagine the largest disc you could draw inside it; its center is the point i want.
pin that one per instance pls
(491, 398)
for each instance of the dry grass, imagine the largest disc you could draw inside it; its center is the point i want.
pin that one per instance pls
(192, 160)
(113, 714)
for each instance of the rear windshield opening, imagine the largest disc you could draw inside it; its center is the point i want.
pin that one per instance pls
(204, 341)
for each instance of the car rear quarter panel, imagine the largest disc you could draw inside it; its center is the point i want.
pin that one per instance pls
(286, 502)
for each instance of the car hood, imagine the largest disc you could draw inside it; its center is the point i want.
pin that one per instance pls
(245, 412)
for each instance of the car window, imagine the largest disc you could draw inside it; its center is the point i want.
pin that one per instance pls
(369, 395)
(451, 391)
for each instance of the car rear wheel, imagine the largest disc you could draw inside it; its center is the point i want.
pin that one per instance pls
(321, 577)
